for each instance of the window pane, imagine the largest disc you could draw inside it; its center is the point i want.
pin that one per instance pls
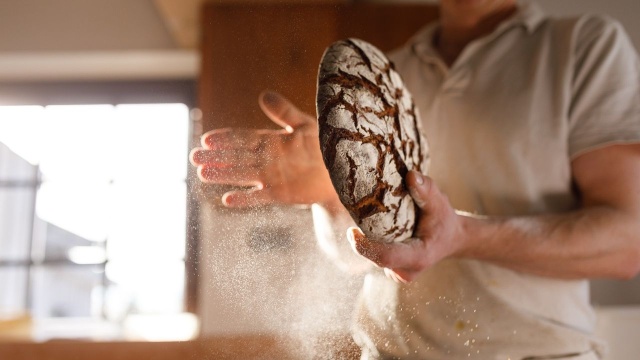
(13, 291)
(146, 286)
(147, 221)
(16, 212)
(152, 141)
(20, 131)
(66, 291)
(78, 142)
(14, 168)
(76, 212)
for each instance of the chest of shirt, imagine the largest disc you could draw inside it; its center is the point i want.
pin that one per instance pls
(499, 118)
(512, 88)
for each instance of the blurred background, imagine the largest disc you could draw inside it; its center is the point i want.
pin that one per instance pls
(104, 233)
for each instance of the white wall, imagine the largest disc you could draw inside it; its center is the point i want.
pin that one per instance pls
(625, 11)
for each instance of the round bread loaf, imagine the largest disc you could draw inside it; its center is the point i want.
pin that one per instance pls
(369, 137)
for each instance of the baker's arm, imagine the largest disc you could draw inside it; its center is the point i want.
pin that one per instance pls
(599, 240)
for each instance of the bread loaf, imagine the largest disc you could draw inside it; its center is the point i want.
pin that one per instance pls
(370, 138)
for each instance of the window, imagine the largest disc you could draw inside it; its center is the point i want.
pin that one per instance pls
(93, 211)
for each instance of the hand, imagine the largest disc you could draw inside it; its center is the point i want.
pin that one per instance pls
(439, 234)
(283, 166)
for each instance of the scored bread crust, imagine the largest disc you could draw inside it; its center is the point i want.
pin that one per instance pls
(370, 138)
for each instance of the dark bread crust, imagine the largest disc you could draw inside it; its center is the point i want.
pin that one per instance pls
(370, 138)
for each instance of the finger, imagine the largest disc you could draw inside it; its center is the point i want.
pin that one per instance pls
(402, 255)
(404, 276)
(242, 199)
(419, 188)
(201, 156)
(389, 273)
(233, 138)
(223, 158)
(192, 155)
(394, 276)
(362, 246)
(282, 112)
(406, 256)
(241, 176)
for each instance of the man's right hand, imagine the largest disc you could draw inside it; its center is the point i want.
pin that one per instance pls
(284, 166)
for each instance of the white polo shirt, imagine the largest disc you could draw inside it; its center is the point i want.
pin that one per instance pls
(503, 124)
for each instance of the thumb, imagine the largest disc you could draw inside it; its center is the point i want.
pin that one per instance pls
(421, 188)
(282, 112)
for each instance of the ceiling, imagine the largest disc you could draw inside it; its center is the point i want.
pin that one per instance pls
(181, 20)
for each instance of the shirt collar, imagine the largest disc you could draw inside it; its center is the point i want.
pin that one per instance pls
(529, 15)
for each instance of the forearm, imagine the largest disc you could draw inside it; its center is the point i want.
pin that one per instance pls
(593, 242)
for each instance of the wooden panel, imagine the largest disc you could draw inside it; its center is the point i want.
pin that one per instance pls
(248, 48)
(386, 26)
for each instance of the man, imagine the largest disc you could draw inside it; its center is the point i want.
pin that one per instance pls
(534, 130)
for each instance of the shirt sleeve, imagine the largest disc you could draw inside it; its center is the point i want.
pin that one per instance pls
(605, 102)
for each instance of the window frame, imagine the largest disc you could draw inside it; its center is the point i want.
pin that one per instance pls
(115, 93)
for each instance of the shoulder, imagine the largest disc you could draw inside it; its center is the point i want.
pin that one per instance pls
(587, 24)
(590, 40)
(591, 30)
(592, 25)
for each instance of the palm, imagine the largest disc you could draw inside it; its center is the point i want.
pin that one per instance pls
(299, 175)
(285, 166)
